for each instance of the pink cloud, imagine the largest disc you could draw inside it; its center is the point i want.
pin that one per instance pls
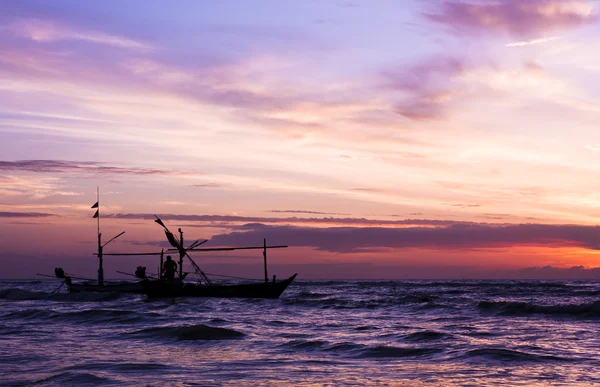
(517, 18)
(425, 86)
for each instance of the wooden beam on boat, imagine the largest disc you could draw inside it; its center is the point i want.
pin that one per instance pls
(234, 248)
(122, 254)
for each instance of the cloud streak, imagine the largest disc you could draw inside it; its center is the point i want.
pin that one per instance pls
(50, 31)
(63, 166)
(533, 41)
(358, 234)
(306, 212)
(521, 19)
(5, 214)
(458, 236)
(287, 220)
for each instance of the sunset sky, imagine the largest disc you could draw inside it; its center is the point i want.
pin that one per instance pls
(378, 139)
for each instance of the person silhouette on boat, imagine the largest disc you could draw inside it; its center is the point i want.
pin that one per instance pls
(169, 268)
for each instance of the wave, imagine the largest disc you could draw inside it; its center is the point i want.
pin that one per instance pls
(383, 351)
(84, 316)
(107, 315)
(513, 308)
(426, 336)
(311, 294)
(306, 344)
(190, 332)
(416, 298)
(73, 379)
(124, 367)
(28, 314)
(366, 328)
(16, 294)
(344, 302)
(346, 347)
(489, 284)
(508, 355)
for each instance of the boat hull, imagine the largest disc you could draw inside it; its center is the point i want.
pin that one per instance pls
(119, 287)
(157, 289)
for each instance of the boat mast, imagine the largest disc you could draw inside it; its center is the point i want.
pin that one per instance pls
(265, 257)
(100, 268)
(181, 253)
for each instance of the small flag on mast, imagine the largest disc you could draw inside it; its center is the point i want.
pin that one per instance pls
(95, 205)
(96, 214)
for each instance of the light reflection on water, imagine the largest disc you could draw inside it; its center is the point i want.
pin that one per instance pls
(341, 333)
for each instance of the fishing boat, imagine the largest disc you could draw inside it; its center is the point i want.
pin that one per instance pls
(177, 287)
(160, 285)
(100, 285)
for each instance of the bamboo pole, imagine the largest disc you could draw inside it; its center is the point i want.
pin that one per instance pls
(265, 258)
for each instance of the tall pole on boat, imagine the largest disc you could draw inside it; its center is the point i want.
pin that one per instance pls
(160, 270)
(181, 253)
(100, 268)
(265, 258)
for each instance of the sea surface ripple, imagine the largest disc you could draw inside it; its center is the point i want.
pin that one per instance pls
(397, 333)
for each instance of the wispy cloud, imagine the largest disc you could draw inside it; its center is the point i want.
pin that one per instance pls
(457, 236)
(4, 214)
(48, 31)
(522, 19)
(208, 185)
(533, 41)
(286, 220)
(425, 87)
(63, 166)
(306, 212)
(39, 188)
(465, 205)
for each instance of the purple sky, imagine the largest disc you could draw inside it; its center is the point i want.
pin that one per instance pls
(381, 139)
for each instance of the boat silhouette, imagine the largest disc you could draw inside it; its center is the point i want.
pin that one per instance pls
(162, 286)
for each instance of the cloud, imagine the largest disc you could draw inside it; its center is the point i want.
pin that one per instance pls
(306, 212)
(207, 185)
(366, 189)
(39, 188)
(288, 220)
(533, 41)
(4, 214)
(552, 273)
(63, 166)
(49, 31)
(457, 236)
(425, 87)
(517, 18)
(357, 234)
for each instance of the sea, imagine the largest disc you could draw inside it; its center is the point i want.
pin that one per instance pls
(321, 333)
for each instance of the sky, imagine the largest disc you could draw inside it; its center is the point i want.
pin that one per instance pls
(378, 139)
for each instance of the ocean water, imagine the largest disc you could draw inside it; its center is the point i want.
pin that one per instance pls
(397, 333)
